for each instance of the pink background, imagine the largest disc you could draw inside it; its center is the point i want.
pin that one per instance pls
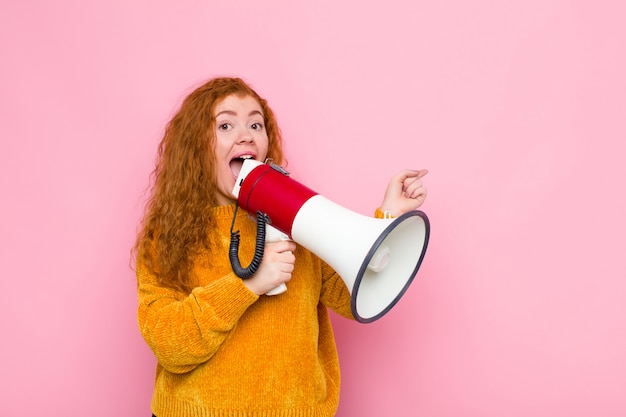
(517, 108)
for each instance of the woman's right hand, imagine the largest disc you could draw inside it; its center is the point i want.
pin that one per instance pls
(275, 269)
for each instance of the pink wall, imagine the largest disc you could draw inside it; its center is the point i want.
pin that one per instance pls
(517, 108)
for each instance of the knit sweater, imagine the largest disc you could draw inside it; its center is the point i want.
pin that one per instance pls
(224, 351)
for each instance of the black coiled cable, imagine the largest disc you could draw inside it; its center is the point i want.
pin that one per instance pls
(259, 248)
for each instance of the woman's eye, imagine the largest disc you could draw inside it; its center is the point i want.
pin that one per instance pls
(224, 126)
(257, 126)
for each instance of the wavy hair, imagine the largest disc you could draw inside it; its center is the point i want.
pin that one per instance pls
(183, 183)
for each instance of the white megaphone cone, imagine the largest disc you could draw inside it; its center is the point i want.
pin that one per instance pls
(376, 258)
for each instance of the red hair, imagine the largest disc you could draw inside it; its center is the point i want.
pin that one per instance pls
(183, 187)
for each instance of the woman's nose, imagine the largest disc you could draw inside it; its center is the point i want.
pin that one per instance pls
(245, 136)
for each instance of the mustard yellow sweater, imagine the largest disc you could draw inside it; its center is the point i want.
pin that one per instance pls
(224, 351)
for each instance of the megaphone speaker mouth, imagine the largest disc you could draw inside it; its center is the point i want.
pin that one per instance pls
(390, 266)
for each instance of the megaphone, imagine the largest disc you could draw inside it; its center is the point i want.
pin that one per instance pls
(376, 258)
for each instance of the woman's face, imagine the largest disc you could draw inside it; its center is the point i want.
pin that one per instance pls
(239, 133)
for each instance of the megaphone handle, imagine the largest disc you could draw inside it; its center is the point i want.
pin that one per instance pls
(278, 290)
(272, 234)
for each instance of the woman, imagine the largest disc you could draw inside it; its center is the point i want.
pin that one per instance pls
(222, 346)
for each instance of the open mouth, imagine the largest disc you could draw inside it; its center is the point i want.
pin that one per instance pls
(237, 162)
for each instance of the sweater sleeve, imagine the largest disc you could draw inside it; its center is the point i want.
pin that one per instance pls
(185, 331)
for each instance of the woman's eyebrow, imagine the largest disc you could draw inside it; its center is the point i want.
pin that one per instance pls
(234, 113)
(228, 112)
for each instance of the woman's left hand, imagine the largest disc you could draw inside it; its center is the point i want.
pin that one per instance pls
(405, 192)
